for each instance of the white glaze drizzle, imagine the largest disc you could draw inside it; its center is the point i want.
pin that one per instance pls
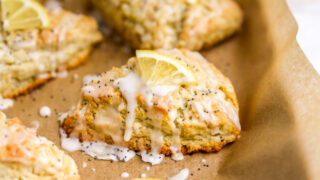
(228, 109)
(43, 76)
(35, 126)
(176, 146)
(205, 112)
(84, 165)
(148, 168)
(98, 150)
(129, 87)
(5, 103)
(176, 154)
(88, 90)
(153, 158)
(124, 175)
(53, 5)
(61, 74)
(182, 175)
(163, 90)
(87, 79)
(45, 111)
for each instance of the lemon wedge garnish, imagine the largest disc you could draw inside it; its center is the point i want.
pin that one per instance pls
(158, 69)
(23, 14)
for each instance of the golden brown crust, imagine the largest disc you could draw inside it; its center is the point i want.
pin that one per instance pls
(81, 58)
(132, 145)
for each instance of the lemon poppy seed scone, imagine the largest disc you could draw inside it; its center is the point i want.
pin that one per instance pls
(153, 24)
(169, 102)
(31, 55)
(24, 155)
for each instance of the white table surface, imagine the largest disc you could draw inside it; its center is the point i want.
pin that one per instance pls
(307, 15)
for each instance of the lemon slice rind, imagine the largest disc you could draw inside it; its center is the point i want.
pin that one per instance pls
(188, 76)
(15, 20)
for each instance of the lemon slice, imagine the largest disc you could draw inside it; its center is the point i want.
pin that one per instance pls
(157, 69)
(23, 14)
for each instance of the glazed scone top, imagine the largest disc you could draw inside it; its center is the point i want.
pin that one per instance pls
(208, 105)
(212, 87)
(21, 146)
(66, 27)
(26, 55)
(168, 24)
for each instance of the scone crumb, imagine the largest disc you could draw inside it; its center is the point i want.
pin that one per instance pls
(124, 175)
(148, 168)
(75, 76)
(84, 164)
(45, 111)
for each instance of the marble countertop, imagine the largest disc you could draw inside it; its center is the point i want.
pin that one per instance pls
(307, 15)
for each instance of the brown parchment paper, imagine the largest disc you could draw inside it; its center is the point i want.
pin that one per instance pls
(278, 91)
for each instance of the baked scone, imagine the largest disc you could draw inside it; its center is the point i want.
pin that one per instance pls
(32, 56)
(190, 24)
(24, 155)
(119, 108)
